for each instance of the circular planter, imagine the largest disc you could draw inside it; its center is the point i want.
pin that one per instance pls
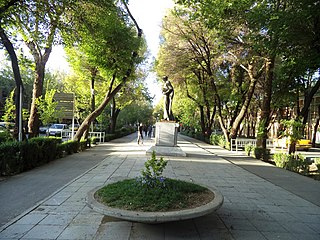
(156, 217)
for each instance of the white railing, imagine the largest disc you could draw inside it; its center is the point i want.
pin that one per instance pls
(99, 135)
(242, 142)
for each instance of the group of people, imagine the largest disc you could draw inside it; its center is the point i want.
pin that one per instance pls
(168, 93)
(144, 130)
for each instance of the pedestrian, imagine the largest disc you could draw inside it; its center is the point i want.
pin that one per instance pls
(145, 131)
(149, 131)
(140, 134)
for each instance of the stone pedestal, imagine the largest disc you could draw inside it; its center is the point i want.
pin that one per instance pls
(166, 137)
(166, 134)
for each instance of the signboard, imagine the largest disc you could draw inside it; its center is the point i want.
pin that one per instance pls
(65, 104)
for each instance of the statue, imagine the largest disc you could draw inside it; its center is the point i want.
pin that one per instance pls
(168, 92)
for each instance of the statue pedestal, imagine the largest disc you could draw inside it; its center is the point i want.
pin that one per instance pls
(166, 140)
(167, 134)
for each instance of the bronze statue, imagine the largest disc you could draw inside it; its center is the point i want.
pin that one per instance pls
(168, 92)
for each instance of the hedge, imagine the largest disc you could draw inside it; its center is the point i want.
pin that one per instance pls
(16, 157)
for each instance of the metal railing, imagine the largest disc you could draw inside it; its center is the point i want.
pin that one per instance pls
(242, 142)
(99, 135)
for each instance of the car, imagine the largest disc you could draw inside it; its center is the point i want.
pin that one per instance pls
(302, 144)
(58, 130)
(3, 129)
(44, 129)
(7, 125)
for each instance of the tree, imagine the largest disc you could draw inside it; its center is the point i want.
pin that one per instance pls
(186, 56)
(5, 9)
(38, 23)
(268, 30)
(110, 44)
(218, 62)
(47, 108)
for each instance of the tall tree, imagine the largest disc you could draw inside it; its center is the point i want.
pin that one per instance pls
(6, 8)
(107, 37)
(37, 22)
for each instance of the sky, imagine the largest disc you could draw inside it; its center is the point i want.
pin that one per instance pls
(148, 14)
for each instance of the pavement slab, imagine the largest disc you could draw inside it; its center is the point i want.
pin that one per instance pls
(259, 203)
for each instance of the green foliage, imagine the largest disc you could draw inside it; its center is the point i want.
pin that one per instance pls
(47, 108)
(6, 136)
(70, 146)
(292, 162)
(293, 129)
(10, 159)
(249, 149)
(16, 157)
(9, 108)
(261, 153)
(131, 195)
(152, 173)
(219, 139)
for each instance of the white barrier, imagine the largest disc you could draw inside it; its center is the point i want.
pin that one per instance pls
(99, 135)
(242, 142)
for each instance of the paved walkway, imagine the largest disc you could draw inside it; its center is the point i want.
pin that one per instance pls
(260, 202)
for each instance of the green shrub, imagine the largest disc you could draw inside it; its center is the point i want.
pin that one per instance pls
(109, 137)
(298, 164)
(30, 155)
(70, 147)
(10, 159)
(261, 153)
(84, 144)
(5, 137)
(248, 149)
(291, 162)
(61, 148)
(47, 148)
(93, 140)
(281, 159)
(219, 139)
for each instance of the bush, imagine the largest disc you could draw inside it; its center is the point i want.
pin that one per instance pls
(70, 147)
(248, 149)
(261, 153)
(5, 137)
(16, 157)
(280, 159)
(110, 136)
(218, 139)
(84, 144)
(30, 155)
(47, 148)
(10, 158)
(291, 162)
(93, 140)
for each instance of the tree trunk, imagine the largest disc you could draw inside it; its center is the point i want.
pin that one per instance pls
(307, 101)
(34, 119)
(94, 72)
(238, 120)
(114, 115)
(266, 105)
(17, 76)
(114, 120)
(315, 129)
(93, 115)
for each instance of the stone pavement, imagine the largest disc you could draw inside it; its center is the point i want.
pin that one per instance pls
(257, 205)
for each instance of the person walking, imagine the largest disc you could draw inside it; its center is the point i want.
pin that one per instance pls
(140, 134)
